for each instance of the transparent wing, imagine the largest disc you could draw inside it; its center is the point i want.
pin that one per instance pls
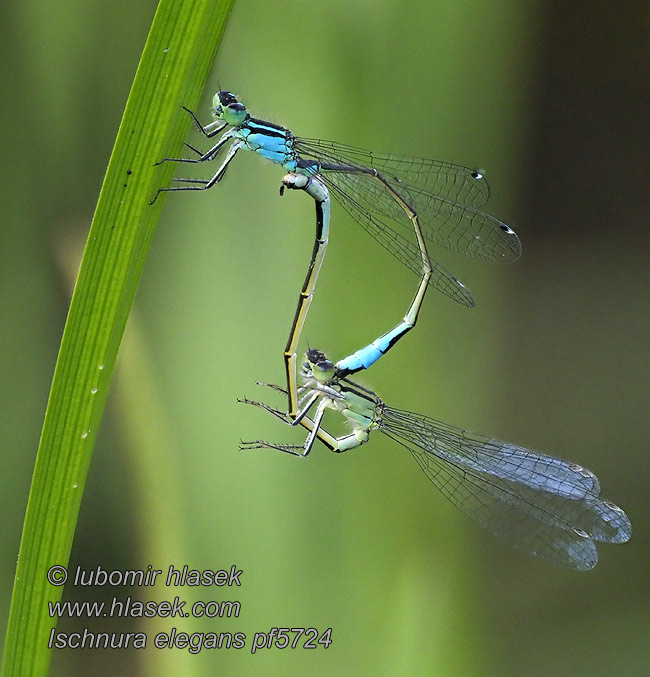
(444, 196)
(442, 178)
(403, 249)
(541, 505)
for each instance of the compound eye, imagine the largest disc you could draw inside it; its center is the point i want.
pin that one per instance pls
(226, 98)
(314, 356)
(235, 113)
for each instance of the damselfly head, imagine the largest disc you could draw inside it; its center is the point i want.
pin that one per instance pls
(228, 108)
(321, 368)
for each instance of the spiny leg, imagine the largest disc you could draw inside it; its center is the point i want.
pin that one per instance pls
(335, 444)
(294, 449)
(282, 415)
(202, 184)
(273, 386)
(203, 157)
(206, 131)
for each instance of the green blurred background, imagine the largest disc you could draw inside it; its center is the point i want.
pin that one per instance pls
(551, 100)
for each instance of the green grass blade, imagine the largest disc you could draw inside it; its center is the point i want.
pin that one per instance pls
(173, 69)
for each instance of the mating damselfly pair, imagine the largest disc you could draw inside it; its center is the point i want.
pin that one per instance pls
(539, 504)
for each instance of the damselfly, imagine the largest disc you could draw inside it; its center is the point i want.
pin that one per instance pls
(431, 199)
(544, 506)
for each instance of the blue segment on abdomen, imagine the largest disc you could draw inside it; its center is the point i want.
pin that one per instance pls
(367, 356)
